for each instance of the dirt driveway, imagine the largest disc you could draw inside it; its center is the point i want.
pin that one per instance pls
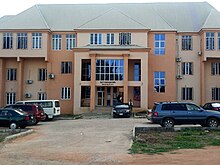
(92, 141)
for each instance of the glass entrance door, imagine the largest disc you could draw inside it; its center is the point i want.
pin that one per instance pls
(100, 98)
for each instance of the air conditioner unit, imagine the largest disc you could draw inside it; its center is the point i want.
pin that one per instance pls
(179, 76)
(51, 76)
(178, 59)
(199, 53)
(27, 95)
(29, 81)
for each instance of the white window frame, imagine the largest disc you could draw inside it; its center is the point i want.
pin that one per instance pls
(210, 40)
(66, 67)
(159, 80)
(10, 98)
(159, 48)
(11, 74)
(215, 68)
(36, 40)
(56, 42)
(8, 40)
(96, 38)
(215, 93)
(65, 93)
(186, 93)
(42, 74)
(70, 41)
(187, 68)
(110, 38)
(125, 38)
(42, 96)
(22, 41)
(187, 42)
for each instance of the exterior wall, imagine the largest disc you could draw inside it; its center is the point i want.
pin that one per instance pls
(54, 86)
(165, 63)
(189, 56)
(210, 53)
(29, 52)
(211, 81)
(137, 38)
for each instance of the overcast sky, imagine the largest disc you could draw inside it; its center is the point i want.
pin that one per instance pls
(13, 7)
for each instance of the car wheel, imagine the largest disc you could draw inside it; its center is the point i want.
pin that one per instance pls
(213, 122)
(13, 126)
(168, 123)
(34, 121)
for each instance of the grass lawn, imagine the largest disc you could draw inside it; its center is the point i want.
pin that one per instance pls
(154, 142)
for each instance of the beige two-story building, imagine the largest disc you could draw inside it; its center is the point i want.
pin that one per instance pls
(89, 56)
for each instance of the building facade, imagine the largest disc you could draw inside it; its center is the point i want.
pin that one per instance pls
(89, 56)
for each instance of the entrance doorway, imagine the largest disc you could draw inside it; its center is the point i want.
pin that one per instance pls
(100, 98)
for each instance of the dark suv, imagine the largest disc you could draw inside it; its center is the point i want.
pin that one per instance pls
(168, 114)
(35, 110)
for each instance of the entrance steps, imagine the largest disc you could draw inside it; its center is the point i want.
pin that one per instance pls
(99, 112)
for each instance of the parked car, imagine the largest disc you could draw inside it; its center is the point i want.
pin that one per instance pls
(212, 106)
(13, 118)
(33, 110)
(121, 110)
(168, 114)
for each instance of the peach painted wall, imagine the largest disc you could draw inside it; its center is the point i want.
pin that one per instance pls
(189, 56)
(165, 63)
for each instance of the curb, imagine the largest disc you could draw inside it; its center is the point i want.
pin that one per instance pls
(10, 137)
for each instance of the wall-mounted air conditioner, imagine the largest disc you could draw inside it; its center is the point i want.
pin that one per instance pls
(51, 76)
(178, 59)
(29, 81)
(27, 95)
(179, 76)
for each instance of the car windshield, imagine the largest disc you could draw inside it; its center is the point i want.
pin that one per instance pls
(122, 106)
(20, 112)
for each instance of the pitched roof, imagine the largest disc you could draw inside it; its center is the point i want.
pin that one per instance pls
(213, 20)
(181, 17)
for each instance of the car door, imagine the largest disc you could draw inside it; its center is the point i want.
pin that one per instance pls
(179, 112)
(196, 114)
(4, 120)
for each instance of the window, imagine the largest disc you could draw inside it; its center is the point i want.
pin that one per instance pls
(10, 98)
(11, 74)
(65, 93)
(215, 93)
(110, 69)
(124, 38)
(7, 40)
(66, 67)
(137, 72)
(85, 96)
(180, 107)
(110, 39)
(42, 96)
(219, 41)
(86, 70)
(70, 41)
(21, 40)
(159, 82)
(187, 68)
(215, 68)
(36, 40)
(56, 41)
(159, 44)
(187, 93)
(95, 38)
(42, 74)
(210, 41)
(186, 42)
